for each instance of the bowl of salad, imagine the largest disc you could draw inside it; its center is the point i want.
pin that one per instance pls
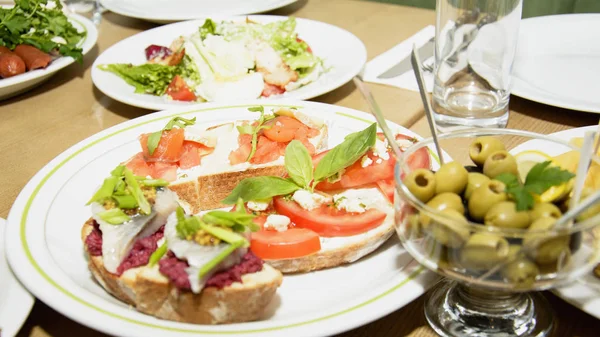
(228, 59)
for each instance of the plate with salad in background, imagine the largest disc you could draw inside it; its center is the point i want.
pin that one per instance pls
(228, 59)
(167, 11)
(37, 39)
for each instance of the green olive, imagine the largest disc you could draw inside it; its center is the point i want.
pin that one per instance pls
(474, 180)
(451, 177)
(449, 228)
(545, 248)
(543, 210)
(504, 214)
(484, 197)
(521, 271)
(441, 202)
(592, 210)
(500, 162)
(483, 251)
(483, 147)
(514, 250)
(421, 183)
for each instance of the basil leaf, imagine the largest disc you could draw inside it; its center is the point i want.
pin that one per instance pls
(158, 254)
(354, 146)
(114, 216)
(298, 163)
(153, 140)
(260, 188)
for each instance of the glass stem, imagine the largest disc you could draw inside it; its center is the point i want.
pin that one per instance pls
(486, 300)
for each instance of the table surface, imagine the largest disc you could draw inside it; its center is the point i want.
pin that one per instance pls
(68, 108)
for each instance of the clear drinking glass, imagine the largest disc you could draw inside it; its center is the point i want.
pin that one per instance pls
(474, 50)
(492, 274)
(88, 8)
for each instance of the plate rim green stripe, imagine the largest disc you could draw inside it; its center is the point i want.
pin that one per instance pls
(45, 276)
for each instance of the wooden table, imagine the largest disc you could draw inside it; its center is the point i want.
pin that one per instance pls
(42, 123)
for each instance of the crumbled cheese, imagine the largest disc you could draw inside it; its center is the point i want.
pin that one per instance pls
(277, 222)
(309, 201)
(404, 143)
(366, 161)
(257, 205)
(59, 40)
(379, 161)
(359, 200)
(380, 150)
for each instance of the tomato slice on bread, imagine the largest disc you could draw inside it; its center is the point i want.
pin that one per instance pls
(328, 221)
(292, 243)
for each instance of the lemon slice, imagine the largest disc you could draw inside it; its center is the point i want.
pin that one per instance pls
(527, 159)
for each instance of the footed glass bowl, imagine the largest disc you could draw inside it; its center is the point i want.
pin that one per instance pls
(491, 271)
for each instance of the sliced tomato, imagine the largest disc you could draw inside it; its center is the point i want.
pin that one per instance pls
(274, 245)
(180, 91)
(271, 89)
(192, 154)
(329, 221)
(356, 175)
(308, 49)
(166, 171)
(282, 128)
(420, 158)
(387, 187)
(169, 147)
(138, 165)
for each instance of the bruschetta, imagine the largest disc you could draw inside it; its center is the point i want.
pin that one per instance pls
(146, 252)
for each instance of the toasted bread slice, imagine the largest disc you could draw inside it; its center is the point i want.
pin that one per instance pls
(204, 187)
(150, 292)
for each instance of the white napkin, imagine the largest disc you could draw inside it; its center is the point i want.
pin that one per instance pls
(385, 61)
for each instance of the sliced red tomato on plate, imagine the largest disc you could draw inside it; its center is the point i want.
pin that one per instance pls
(178, 90)
(420, 158)
(138, 165)
(169, 147)
(271, 89)
(192, 154)
(292, 243)
(329, 221)
(387, 188)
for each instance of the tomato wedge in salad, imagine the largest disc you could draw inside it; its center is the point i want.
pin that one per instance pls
(292, 243)
(329, 221)
(178, 90)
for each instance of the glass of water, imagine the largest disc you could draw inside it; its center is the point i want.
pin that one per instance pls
(474, 51)
(88, 8)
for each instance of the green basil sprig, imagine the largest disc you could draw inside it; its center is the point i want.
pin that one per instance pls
(154, 137)
(261, 188)
(298, 164)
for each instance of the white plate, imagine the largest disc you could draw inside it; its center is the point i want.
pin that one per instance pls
(558, 61)
(346, 57)
(46, 252)
(585, 292)
(15, 301)
(165, 11)
(18, 84)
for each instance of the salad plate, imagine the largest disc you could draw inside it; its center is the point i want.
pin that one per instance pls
(166, 11)
(15, 301)
(555, 58)
(15, 85)
(45, 250)
(227, 59)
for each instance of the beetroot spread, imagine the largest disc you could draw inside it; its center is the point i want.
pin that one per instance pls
(174, 269)
(139, 254)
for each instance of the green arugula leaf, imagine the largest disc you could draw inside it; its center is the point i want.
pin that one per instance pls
(260, 188)
(209, 27)
(154, 137)
(158, 254)
(298, 163)
(354, 146)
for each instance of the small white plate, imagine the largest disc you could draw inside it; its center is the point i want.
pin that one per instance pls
(15, 301)
(558, 61)
(15, 85)
(46, 252)
(346, 57)
(166, 11)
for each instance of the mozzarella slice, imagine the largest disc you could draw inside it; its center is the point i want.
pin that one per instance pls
(198, 255)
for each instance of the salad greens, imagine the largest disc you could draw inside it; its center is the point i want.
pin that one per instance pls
(42, 24)
(152, 78)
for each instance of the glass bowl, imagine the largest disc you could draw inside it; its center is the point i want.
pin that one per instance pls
(491, 273)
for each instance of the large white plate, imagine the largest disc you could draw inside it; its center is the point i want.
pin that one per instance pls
(558, 61)
(46, 252)
(164, 11)
(15, 301)
(585, 292)
(346, 57)
(15, 85)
